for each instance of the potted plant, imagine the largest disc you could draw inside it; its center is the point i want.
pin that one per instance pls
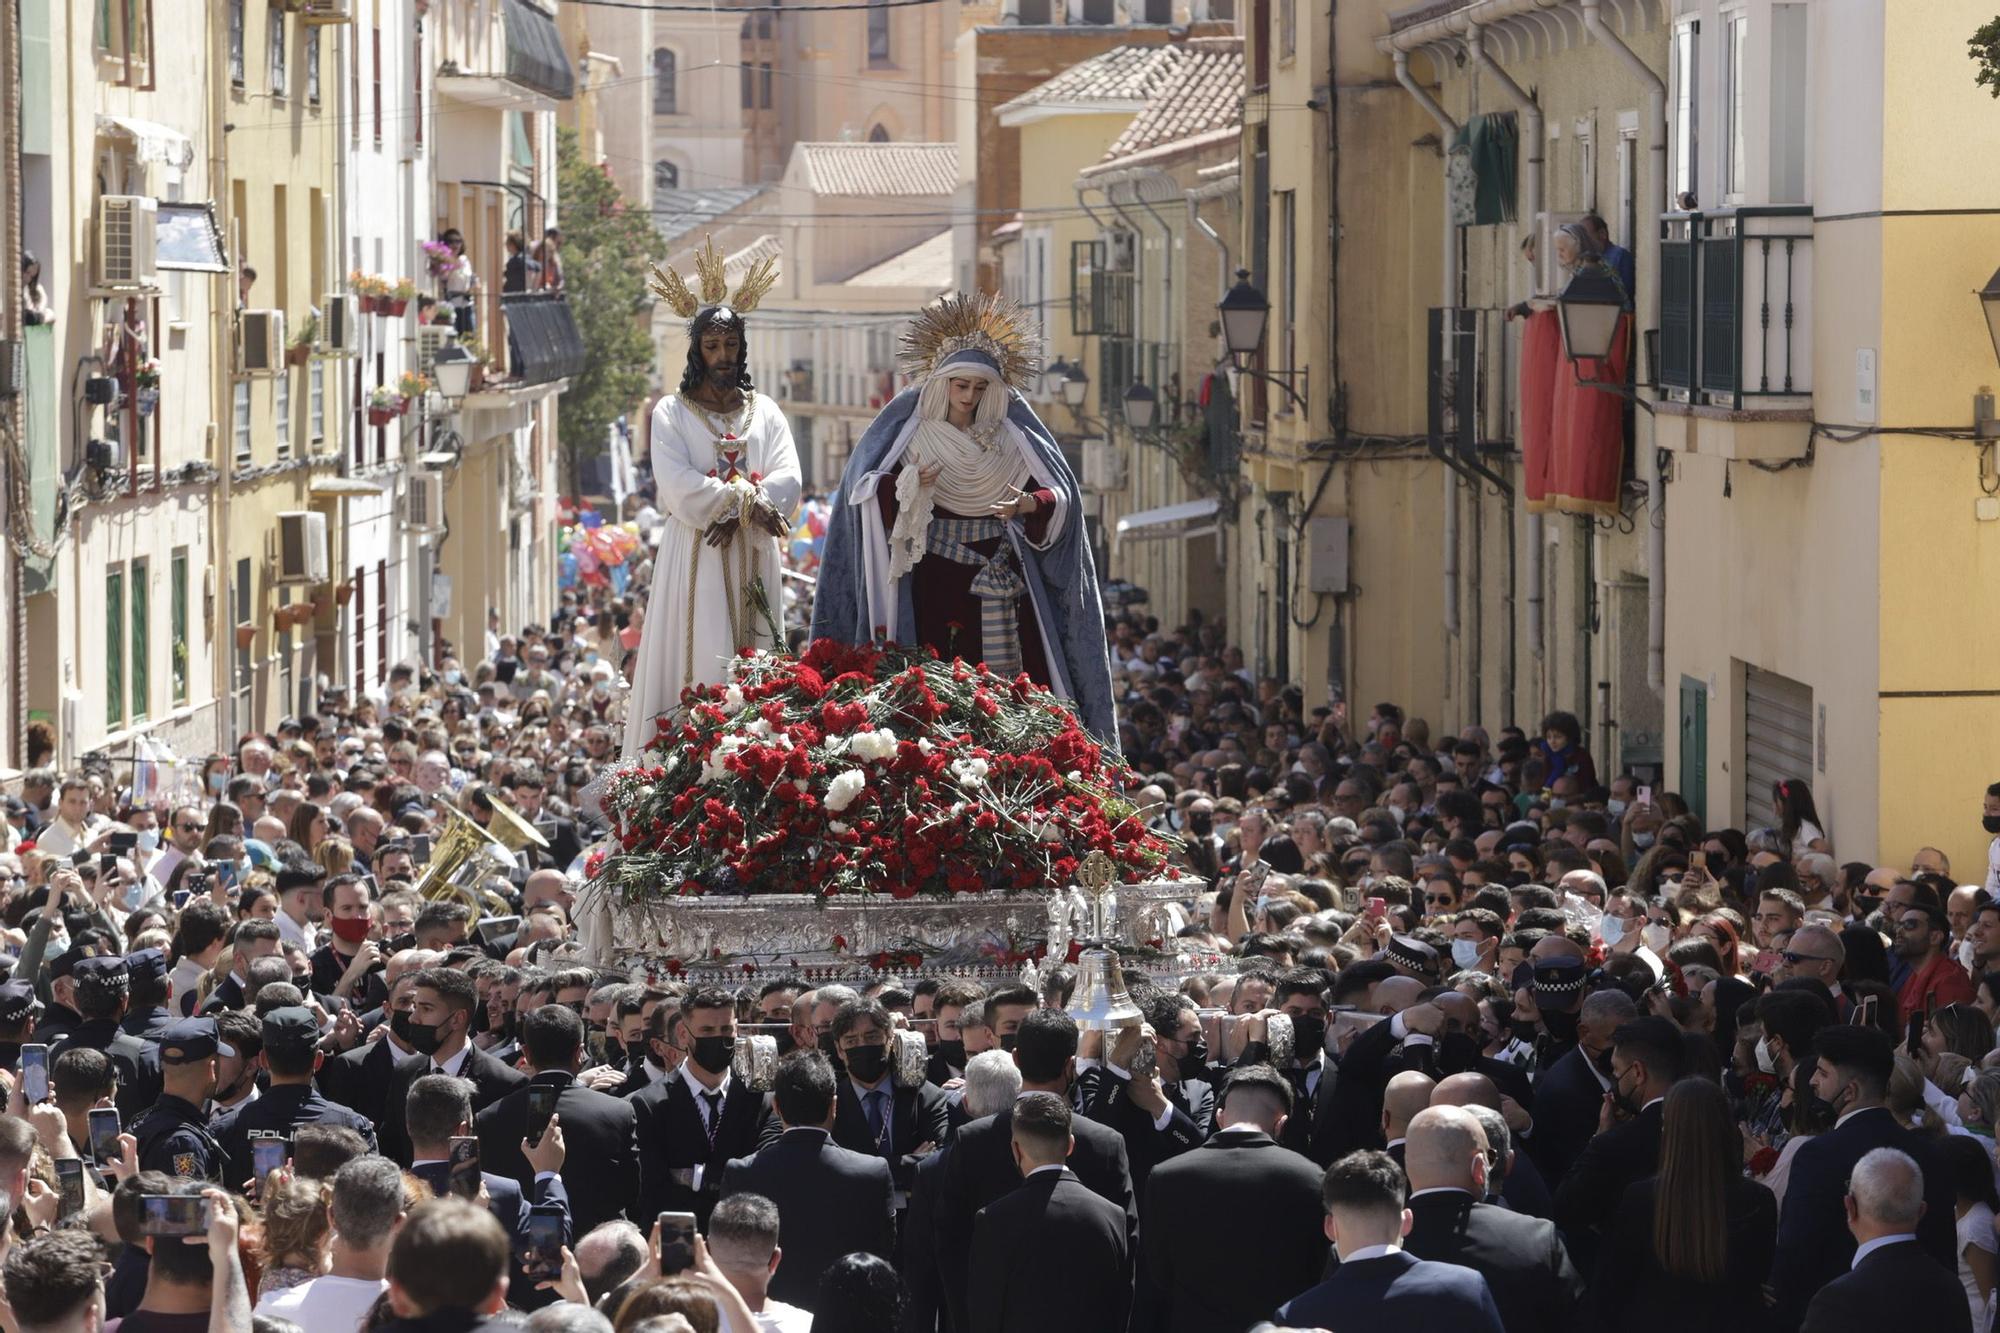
(412, 386)
(299, 347)
(147, 381)
(246, 634)
(384, 406)
(363, 287)
(471, 343)
(439, 258)
(394, 298)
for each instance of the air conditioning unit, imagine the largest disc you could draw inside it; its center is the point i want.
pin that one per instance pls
(1120, 251)
(430, 337)
(325, 11)
(260, 346)
(1103, 466)
(336, 324)
(302, 547)
(423, 501)
(125, 237)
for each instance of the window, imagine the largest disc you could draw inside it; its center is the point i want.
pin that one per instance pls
(1787, 142)
(1036, 13)
(360, 624)
(375, 75)
(1260, 43)
(285, 653)
(1288, 29)
(878, 36)
(665, 98)
(245, 664)
(749, 88)
(1583, 183)
(666, 176)
(236, 43)
(764, 25)
(274, 24)
(142, 643)
(417, 88)
(382, 620)
(1288, 251)
(124, 33)
(880, 134)
(1685, 129)
(316, 391)
(1736, 170)
(281, 387)
(312, 65)
(177, 627)
(240, 426)
(764, 85)
(114, 647)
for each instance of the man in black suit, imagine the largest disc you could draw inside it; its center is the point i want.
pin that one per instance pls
(1851, 1072)
(1379, 1287)
(1240, 1172)
(981, 1166)
(291, 1055)
(1569, 1096)
(832, 1201)
(1154, 1122)
(360, 1078)
(602, 1170)
(1647, 1058)
(1893, 1282)
(439, 1030)
(900, 1125)
(992, 1082)
(1534, 1285)
(1051, 1256)
(251, 940)
(439, 1109)
(693, 1122)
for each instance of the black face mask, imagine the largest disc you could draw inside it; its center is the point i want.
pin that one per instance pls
(614, 1049)
(831, 1051)
(423, 1038)
(479, 1018)
(1602, 1060)
(712, 1053)
(1007, 1041)
(953, 1053)
(1457, 1052)
(1308, 1037)
(1560, 1025)
(786, 1042)
(1523, 1028)
(1991, 823)
(867, 1063)
(1628, 1102)
(1195, 1063)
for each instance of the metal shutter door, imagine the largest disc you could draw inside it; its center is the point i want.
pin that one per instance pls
(1777, 740)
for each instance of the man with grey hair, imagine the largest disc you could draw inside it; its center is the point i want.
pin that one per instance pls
(743, 1241)
(1522, 1258)
(1893, 1281)
(1817, 953)
(368, 1205)
(992, 1081)
(612, 1253)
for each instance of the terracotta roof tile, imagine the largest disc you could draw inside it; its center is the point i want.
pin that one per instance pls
(1204, 95)
(880, 168)
(1125, 75)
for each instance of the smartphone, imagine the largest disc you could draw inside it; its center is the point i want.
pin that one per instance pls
(1698, 860)
(677, 1231)
(420, 849)
(541, 1107)
(79, 857)
(104, 1130)
(463, 1178)
(1864, 1013)
(69, 1180)
(545, 1243)
(180, 899)
(1377, 907)
(493, 929)
(173, 1215)
(123, 844)
(34, 1074)
(1645, 796)
(267, 1155)
(107, 863)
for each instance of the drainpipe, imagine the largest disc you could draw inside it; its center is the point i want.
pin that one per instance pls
(1537, 144)
(1196, 196)
(1647, 248)
(1172, 323)
(1448, 130)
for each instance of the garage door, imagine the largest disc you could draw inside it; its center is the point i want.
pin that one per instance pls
(1777, 740)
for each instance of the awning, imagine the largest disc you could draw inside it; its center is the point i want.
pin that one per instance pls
(343, 486)
(543, 342)
(154, 141)
(185, 237)
(1195, 518)
(535, 55)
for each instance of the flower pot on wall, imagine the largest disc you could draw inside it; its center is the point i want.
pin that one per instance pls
(392, 306)
(245, 635)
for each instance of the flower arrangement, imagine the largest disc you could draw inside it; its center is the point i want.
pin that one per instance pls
(383, 396)
(148, 374)
(403, 289)
(439, 258)
(412, 385)
(867, 770)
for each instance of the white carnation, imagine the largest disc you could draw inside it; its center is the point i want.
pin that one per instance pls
(732, 698)
(969, 772)
(845, 787)
(835, 826)
(873, 746)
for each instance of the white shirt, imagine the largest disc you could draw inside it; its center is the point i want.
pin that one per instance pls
(291, 932)
(59, 837)
(1862, 1251)
(1370, 1252)
(778, 1317)
(701, 1092)
(451, 1066)
(325, 1304)
(1993, 867)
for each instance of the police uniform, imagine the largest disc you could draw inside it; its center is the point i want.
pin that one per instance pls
(137, 1061)
(284, 1107)
(174, 1136)
(17, 1004)
(147, 965)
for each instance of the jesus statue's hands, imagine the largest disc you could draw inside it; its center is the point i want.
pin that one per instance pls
(770, 519)
(723, 532)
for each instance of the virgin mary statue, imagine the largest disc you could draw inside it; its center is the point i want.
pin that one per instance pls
(959, 524)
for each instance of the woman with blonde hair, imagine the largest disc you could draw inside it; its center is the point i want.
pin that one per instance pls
(335, 856)
(292, 1247)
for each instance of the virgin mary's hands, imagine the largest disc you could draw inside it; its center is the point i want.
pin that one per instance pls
(1018, 504)
(928, 476)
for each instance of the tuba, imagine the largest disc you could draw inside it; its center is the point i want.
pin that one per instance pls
(465, 853)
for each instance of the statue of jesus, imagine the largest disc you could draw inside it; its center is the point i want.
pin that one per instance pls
(729, 481)
(959, 524)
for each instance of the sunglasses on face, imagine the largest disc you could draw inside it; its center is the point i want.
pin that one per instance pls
(1438, 899)
(1794, 957)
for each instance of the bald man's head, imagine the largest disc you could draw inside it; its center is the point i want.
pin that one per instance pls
(1467, 1090)
(1446, 1149)
(1395, 994)
(1408, 1093)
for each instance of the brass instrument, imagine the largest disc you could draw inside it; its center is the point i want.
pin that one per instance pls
(463, 854)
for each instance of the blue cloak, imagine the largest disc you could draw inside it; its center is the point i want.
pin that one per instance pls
(1062, 579)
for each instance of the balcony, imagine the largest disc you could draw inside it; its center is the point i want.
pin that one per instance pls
(528, 71)
(543, 342)
(1736, 308)
(1471, 385)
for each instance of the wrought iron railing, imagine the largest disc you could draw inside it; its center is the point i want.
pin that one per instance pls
(1123, 362)
(1736, 305)
(1470, 389)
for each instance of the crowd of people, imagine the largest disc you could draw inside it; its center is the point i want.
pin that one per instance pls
(1496, 1038)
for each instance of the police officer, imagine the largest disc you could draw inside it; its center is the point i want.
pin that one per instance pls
(101, 990)
(18, 1008)
(59, 1018)
(292, 1056)
(174, 1136)
(146, 1011)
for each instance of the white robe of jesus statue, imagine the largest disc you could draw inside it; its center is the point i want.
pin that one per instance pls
(701, 612)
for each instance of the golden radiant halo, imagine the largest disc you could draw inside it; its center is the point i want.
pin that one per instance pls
(971, 321)
(671, 287)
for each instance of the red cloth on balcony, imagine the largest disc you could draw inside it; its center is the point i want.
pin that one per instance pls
(1589, 431)
(1541, 362)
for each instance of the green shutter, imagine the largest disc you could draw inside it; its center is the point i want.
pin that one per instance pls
(142, 642)
(114, 648)
(177, 603)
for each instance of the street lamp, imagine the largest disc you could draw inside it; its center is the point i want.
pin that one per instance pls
(1243, 311)
(1053, 376)
(1075, 386)
(1989, 301)
(1590, 308)
(451, 367)
(1141, 406)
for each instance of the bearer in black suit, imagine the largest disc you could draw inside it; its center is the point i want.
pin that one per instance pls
(981, 1166)
(1647, 1058)
(1893, 1281)
(602, 1170)
(900, 1125)
(1240, 1172)
(1051, 1256)
(693, 1122)
(439, 1030)
(832, 1201)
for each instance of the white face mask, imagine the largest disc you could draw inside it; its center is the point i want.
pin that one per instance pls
(1765, 1063)
(1656, 937)
(1465, 954)
(1611, 929)
(1558, 803)
(149, 840)
(1614, 808)
(1968, 957)
(1643, 840)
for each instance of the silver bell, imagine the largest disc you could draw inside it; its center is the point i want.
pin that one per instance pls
(1099, 1003)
